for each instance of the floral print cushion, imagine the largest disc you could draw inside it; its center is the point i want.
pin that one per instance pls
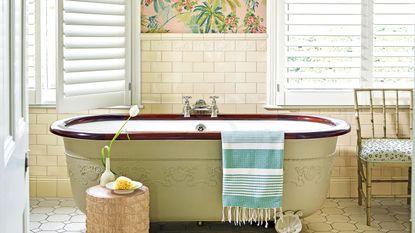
(386, 150)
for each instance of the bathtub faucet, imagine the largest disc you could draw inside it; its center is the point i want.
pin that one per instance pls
(200, 107)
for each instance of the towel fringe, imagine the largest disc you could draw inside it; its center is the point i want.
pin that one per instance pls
(275, 215)
(240, 215)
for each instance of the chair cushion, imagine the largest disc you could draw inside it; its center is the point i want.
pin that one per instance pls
(386, 150)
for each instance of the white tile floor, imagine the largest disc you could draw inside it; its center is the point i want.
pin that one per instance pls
(51, 215)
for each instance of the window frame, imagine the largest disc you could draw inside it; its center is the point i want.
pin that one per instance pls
(39, 96)
(278, 96)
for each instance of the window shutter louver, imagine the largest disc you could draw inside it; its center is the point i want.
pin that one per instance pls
(322, 44)
(94, 54)
(393, 43)
(30, 33)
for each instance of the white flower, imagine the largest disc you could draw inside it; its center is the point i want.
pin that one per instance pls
(134, 111)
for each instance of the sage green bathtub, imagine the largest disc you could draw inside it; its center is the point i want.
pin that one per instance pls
(185, 176)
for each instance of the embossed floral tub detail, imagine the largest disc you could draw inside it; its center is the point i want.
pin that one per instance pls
(182, 166)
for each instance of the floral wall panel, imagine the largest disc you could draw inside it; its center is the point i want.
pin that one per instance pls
(203, 16)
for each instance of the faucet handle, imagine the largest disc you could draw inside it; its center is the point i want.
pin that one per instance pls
(214, 98)
(186, 98)
(213, 106)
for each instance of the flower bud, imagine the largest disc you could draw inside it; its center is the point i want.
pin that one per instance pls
(134, 111)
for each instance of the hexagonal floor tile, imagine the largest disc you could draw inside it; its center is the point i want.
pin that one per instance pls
(336, 216)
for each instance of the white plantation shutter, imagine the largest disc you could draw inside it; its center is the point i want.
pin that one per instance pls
(95, 60)
(30, 33)
(328, 47)
(393, 43)
(322, 44)
(321, 49)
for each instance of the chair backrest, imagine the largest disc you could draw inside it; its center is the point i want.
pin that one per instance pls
(379, 113)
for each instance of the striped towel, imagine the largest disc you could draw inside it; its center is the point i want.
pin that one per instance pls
(252, 175)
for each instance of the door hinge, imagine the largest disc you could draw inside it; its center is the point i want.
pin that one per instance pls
(278, 87)
(129, 86)
(26, 162)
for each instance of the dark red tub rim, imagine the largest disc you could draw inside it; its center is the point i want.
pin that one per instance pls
(339, 127)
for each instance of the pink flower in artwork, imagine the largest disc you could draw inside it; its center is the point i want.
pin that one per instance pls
(147, 2)
(183, 5)
(188, 4)
(262, 29)
(251, 20)
(230, 20)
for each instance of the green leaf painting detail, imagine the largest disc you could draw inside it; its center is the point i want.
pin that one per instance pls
(203, 16)
(210, 17)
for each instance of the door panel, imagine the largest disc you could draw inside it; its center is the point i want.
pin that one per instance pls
(14, 135)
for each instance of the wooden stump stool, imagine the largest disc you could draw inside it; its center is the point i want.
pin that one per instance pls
(107, 212)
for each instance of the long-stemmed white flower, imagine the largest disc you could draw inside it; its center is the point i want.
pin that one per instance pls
(106, 150)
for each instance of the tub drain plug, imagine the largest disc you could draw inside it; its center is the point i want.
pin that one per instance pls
(200, 127)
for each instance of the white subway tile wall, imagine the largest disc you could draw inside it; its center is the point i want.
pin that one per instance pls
(232, 67)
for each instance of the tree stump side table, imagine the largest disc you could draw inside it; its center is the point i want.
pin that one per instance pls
(112, 213)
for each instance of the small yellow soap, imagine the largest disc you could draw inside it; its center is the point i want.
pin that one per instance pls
(123, 183)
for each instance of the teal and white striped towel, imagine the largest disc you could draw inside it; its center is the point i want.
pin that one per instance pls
(252, 175)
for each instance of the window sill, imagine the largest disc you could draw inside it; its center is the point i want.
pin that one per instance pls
(42, 105)
(291, 107)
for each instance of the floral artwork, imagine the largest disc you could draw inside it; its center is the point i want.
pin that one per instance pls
(203, 16)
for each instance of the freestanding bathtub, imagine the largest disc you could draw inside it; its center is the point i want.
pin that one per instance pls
(179, 158)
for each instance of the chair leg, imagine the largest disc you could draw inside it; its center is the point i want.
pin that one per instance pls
(408, 200)
(368, 193)
(359, 181)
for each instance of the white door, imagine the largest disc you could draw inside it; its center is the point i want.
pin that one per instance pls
(13, 121)
(413, 165)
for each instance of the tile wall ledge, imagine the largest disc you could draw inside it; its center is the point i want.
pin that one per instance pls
(193, 36)
(266, 107)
